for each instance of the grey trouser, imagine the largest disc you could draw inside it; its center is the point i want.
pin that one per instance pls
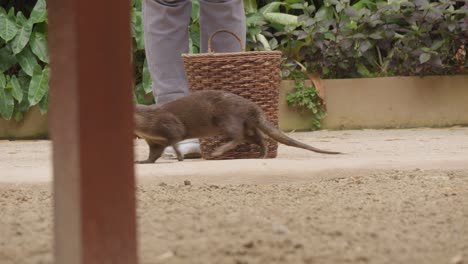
(165, 24)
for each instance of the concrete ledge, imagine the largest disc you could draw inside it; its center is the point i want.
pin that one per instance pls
(397, 102)
(390, 102)
(34, 125)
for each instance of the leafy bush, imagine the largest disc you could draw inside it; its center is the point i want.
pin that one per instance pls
(24, 69)
(336, 38)
(352, 39)
(306, 99)
(340, 39)
(24, 72)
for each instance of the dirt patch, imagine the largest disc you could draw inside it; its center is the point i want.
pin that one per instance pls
(397, 196)
(382, 217)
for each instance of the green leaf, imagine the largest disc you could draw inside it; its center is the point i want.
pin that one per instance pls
(424, 57)
(250, 6)
(282, 19)
(339, 7)
(7, 59)
(194, 38)
(38, 43)
(16, 88)
(24, 105)
(376, 35)
(195, 10)
(3, 81)
(325, 12)
(329, 36)
(363, 71)
(7, 103)
(297, 6)
(139, 94)
(426, 49)
(137, 29)
(8, 28)
(39, 12)
(261, 38)
(351, 25)
(147, 82)
(44, 103)
(11, 13)
(271, 7)
(358, 36)
(39, 85)
(273, 43)
(255, 20)
(27, 61)
(23, 35)
(136, 4)
(437, 44)
(24, 81)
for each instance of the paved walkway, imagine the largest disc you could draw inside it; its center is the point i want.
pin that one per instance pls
(366, 150)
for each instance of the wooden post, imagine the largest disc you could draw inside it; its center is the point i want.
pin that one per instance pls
(91, 127)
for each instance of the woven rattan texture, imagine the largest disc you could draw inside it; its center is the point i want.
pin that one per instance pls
(253, 75)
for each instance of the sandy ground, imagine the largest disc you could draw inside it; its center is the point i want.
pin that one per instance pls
(397, 196)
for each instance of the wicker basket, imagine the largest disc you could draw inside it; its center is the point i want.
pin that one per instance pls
(253, 75)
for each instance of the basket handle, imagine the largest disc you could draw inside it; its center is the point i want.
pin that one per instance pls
(226, 31)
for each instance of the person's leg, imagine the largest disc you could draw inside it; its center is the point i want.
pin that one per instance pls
(222, 14)
(165, 24)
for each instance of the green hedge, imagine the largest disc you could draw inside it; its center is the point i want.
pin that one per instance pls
(353, 39)
(24, 71)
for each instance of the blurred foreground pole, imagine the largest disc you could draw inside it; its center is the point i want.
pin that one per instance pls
(91, 128)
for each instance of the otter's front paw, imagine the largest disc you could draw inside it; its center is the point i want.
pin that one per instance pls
(143, 162)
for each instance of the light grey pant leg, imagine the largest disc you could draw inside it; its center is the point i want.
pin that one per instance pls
(222, 14)
(165, 26)
(166, 38)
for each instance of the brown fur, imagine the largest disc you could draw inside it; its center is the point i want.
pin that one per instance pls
(205, 114)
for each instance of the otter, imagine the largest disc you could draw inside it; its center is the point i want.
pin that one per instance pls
(205, 114)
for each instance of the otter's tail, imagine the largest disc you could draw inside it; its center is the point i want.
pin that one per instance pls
(267, 128)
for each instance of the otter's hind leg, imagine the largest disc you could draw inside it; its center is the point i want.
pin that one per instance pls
(233, 128)
(225, 148)
(255, 136)
(263, 145)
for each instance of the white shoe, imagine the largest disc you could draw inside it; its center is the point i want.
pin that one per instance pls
(189, 148)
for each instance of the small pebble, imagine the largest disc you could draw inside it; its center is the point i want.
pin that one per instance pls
(187, 182)
(167, 255)
(280, 229)
(249, 244)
